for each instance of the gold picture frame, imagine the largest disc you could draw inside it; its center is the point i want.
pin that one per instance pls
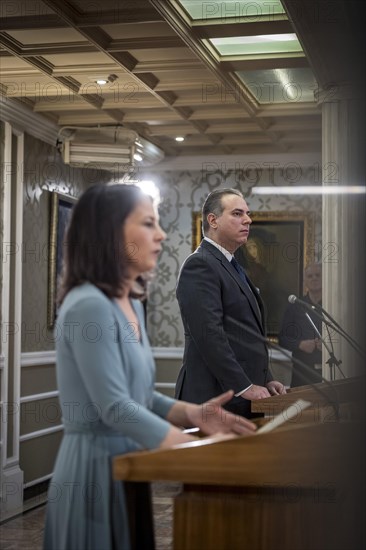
(279, 247)
(60, 210)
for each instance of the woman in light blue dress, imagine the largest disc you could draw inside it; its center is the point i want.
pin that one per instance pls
(105, 370)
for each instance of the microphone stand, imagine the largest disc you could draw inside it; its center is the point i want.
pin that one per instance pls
(318, 308)
(332, 361)
(339, 330)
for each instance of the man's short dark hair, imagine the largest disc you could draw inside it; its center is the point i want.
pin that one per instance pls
(213, 204)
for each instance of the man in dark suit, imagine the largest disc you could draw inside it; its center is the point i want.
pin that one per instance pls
(222, 313)
(298, 334)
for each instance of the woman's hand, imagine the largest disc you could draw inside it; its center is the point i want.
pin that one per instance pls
(211, 418)
(175, 436)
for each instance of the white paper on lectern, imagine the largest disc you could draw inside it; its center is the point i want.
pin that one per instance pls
(293, 410)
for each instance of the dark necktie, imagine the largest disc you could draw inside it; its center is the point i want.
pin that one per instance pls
(243, 277)
(240, 270)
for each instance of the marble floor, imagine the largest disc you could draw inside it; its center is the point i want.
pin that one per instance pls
(25, 532)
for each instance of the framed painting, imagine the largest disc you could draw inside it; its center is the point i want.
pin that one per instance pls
(279, 246)
(60, 211)
(196, 229)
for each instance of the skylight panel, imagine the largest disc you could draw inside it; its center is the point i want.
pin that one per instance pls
(252, 45)
(231, 9)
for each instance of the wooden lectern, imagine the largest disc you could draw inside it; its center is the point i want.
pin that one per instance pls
(344, 396)
(294, 488)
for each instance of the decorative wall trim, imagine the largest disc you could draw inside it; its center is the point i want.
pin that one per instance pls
(41, 433)
(16, 290)
(5, 214)
(32, 358)
(39, 396)
(26, 120)
(167, 353)
(37, 481)
(177, 353)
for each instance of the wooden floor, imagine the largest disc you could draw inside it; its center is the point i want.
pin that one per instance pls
(25, 532)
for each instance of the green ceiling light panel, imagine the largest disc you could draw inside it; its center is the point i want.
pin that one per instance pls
(231, 9)
(257, 45)
(243, 55)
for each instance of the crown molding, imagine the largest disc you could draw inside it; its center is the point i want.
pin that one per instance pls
(212, 163)
(25, 120)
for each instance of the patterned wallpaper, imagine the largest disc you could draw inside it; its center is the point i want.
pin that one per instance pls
(44, 171)
(183, 192)
(2, 145)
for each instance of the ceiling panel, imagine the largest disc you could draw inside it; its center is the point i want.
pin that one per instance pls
(44, 36)
(164, 77)
(253, 45)
(230, 9)
(280, 85)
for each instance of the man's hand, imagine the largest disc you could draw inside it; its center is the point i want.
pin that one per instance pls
(256, 392)
(276, 388)
(308, 346)
(211, 418)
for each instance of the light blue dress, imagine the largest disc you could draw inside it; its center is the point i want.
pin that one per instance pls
(106, 382)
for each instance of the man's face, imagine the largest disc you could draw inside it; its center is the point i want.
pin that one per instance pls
(313, 278)
(231, 228)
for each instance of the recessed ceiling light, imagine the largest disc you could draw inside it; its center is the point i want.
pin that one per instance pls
(137, 157)
(101, 81)
(179, 138)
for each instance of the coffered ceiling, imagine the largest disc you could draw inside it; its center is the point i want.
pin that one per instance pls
(229, 77)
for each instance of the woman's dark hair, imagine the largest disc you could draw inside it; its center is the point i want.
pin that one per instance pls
(94, 247)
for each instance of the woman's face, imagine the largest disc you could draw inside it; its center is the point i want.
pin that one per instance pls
(143, 236)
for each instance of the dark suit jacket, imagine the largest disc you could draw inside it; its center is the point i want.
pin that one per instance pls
(295, 328)
(218, 354)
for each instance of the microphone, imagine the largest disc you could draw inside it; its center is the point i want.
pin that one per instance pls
(295, 300)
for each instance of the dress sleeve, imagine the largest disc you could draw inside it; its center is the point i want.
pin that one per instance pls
(96, 352)
(162, 404)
